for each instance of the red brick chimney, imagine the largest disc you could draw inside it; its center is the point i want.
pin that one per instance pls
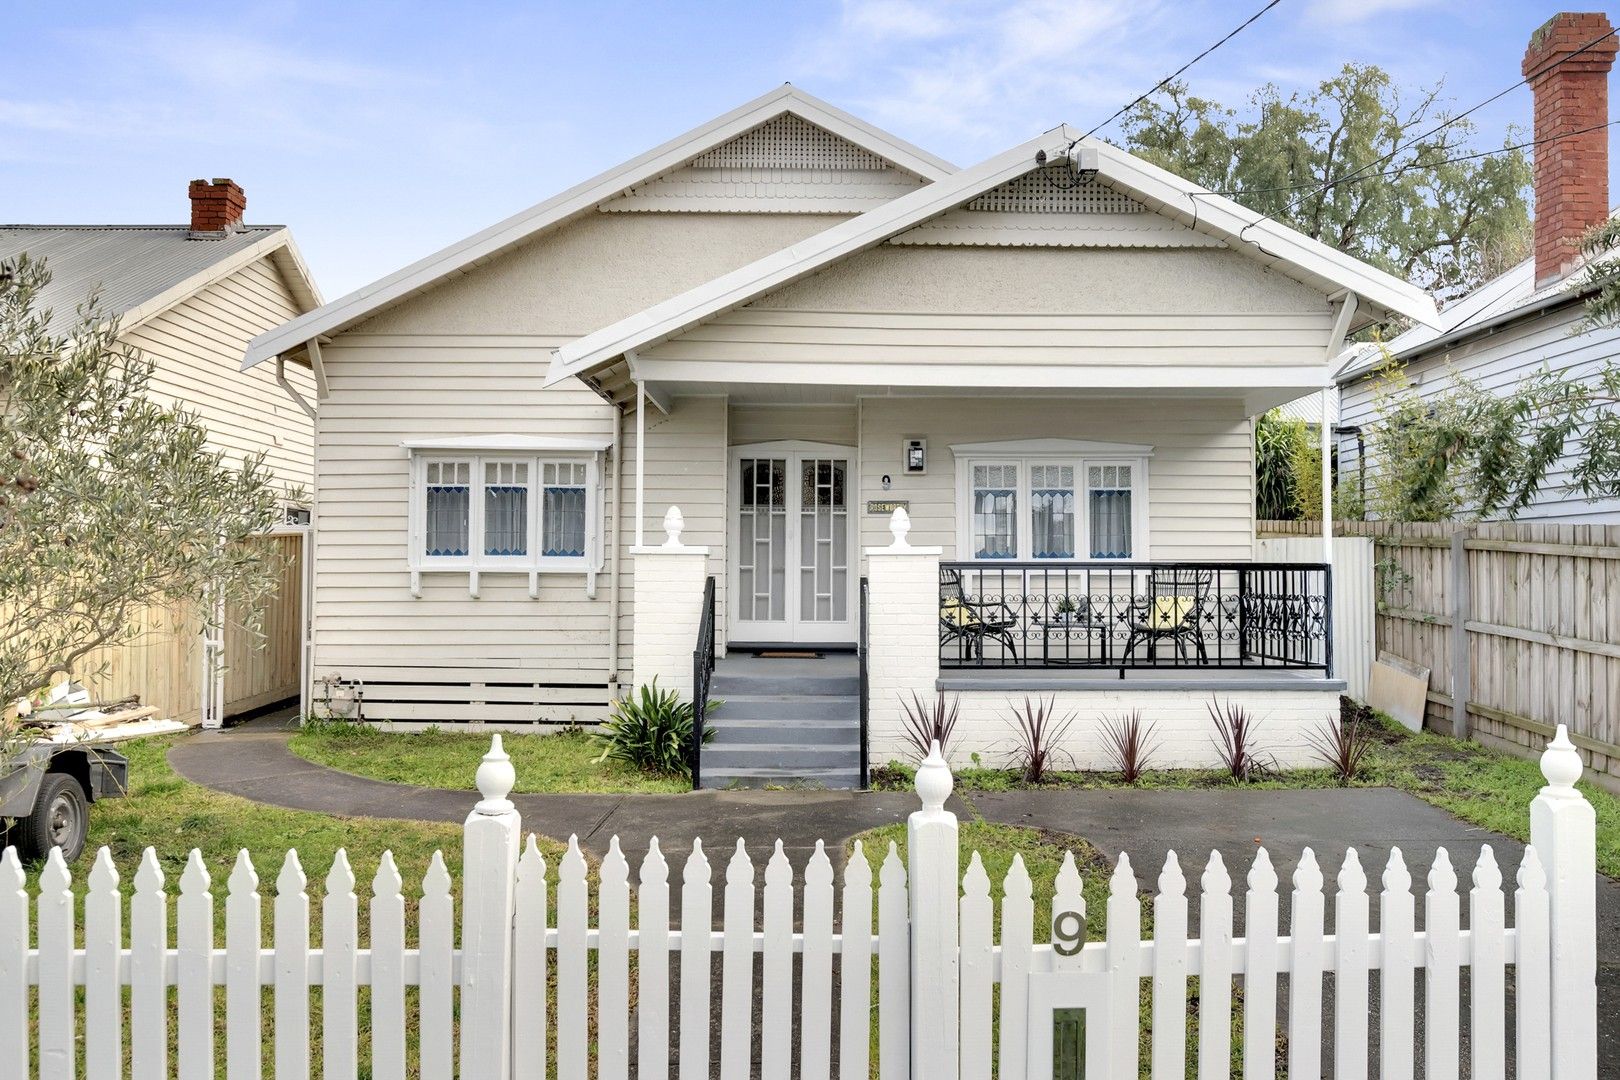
(1570, 79)
(216, 208)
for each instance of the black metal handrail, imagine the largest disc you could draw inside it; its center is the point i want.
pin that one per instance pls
(1135, 615)
(860, 653)
(702, 668)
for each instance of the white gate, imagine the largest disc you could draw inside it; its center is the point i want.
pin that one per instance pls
(526, 928)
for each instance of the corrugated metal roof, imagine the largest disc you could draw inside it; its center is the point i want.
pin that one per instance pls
(130, 264)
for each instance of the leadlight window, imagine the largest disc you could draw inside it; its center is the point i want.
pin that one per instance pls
(1051, 509)
(562, 511)
(1109, 494)
(505, 511)
(995, 511)
(506, 508)
(448, 506)
(1052, 506)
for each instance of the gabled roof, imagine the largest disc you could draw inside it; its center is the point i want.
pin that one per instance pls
(1290, 252)
(499, 238)
(141, 270)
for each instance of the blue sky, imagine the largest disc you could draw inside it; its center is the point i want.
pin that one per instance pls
(383, 131)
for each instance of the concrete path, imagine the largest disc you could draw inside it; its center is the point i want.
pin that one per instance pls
(253, 761)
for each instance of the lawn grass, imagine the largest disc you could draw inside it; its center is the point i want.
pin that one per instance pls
(561, 762)
(1481, 786)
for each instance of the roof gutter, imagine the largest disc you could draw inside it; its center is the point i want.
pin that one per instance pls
(1479, 329)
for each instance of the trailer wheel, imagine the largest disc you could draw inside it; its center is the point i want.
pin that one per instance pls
(61, 818)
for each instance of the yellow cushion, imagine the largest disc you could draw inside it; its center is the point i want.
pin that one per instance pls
(1169, 612)
(955, 613)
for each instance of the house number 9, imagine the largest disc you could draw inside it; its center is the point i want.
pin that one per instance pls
(1068, 933)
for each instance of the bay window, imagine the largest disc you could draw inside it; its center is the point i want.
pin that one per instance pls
(1052, 499)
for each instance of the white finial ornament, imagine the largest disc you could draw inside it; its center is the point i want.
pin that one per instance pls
(934, 781)
(1561, 762)
(674, 525)
(900, 525)
(495, 779)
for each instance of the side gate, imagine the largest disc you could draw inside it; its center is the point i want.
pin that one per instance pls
(898, 974)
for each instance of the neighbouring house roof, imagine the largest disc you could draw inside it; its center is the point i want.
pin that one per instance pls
(501, 237)
(140, 270)
(1161, 191)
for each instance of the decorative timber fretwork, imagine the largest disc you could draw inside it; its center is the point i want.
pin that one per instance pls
(786, 165)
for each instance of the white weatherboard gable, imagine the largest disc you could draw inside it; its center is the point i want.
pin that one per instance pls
(1311, 262)
(462, 256)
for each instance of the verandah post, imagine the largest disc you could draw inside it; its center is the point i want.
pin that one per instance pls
(489, 877)
(1563, 830)
(934, 871)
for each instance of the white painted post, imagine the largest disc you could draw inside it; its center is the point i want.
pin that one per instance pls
(489, 877)
(903, 626)
(934, 870)
(1563, 831)
(1329, 391)
(668, 608)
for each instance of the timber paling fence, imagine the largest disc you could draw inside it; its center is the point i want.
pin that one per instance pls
(928, 972)
(1519, 619)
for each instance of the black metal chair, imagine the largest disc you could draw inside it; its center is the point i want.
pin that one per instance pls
(971, 621)
(1175, 609)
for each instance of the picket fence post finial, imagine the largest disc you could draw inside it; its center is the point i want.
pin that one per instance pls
(495, 779)
(934, 781)
(1561, 764)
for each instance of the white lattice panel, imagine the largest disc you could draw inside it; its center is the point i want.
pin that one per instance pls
(790, 142)
(1055, 189)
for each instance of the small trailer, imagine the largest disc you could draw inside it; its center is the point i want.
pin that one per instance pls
(46, 792)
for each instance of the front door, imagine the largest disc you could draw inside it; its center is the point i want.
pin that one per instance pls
(792, 579)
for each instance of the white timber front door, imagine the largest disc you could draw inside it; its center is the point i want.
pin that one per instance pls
(792, 539)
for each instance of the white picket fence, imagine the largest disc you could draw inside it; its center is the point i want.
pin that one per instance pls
(933, 986)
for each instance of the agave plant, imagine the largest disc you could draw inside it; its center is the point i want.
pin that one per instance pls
(652, 730)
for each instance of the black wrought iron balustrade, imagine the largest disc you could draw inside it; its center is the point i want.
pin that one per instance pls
(1135, 615)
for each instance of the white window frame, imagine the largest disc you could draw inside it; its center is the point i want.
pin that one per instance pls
(479, 452)
(1071, 452)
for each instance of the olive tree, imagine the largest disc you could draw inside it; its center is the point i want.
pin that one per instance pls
(111, 502)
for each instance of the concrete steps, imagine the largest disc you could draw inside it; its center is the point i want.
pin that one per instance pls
(784, 723)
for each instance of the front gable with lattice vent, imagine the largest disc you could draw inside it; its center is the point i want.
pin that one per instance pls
(1052, 207)
(786, 165)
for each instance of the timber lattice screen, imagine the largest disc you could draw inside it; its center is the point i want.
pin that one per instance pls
(1542, 637)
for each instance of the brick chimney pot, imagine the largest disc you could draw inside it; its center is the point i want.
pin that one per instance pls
(216, 208)
(1571, 88)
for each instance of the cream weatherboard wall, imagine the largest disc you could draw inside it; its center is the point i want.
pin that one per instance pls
(1200, 480)
(920, 311)
(470, 358)
(197, 345)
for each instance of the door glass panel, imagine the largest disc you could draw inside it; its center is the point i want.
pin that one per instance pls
(762, 541)
(823, 540)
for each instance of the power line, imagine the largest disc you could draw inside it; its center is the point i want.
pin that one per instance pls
(1242, 235)
(1352, 178)
(1162, 83)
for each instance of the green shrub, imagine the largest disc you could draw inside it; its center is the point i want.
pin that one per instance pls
(652, 730)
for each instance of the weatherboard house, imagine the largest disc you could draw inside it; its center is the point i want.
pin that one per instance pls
(860, 423)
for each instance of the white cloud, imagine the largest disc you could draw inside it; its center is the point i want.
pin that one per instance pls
(961, 68)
